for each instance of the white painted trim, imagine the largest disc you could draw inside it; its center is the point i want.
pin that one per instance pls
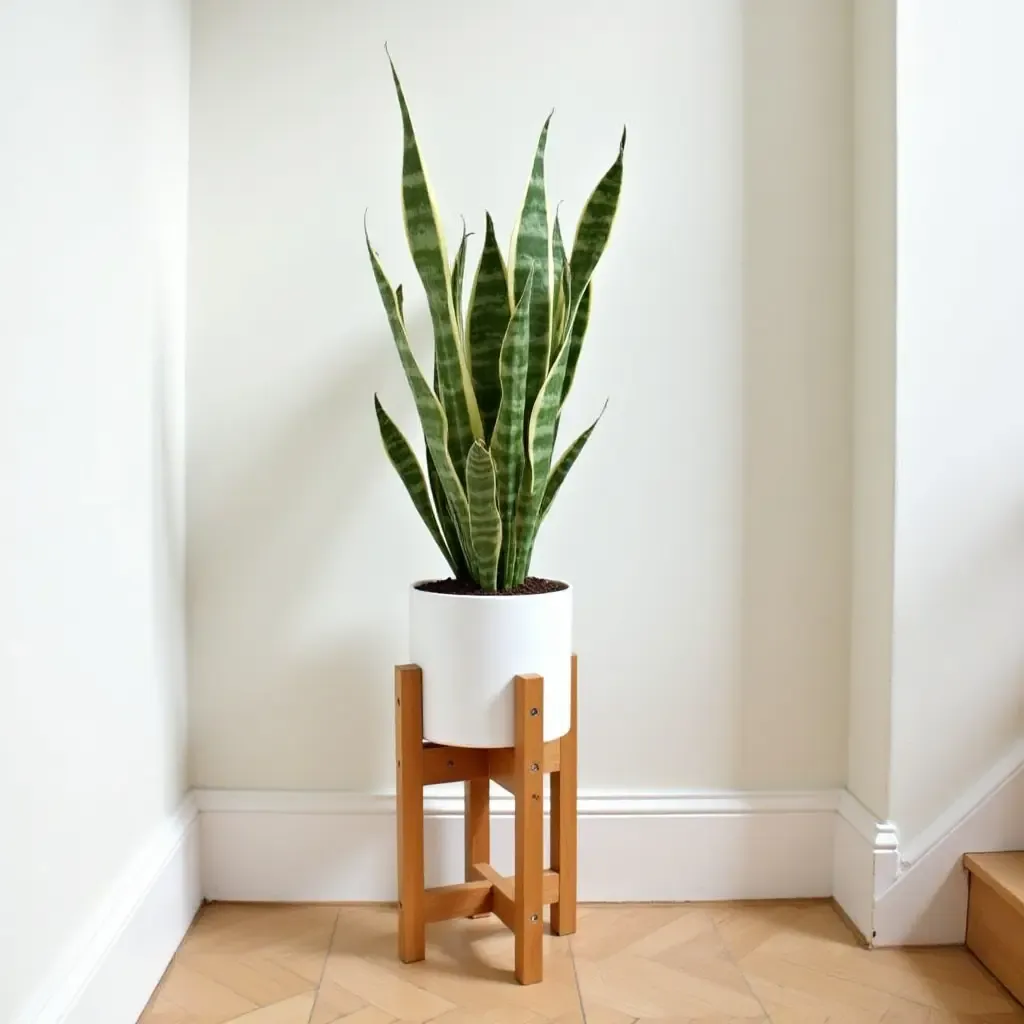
(926, 903)
(915, 892)
(296, 846)
(865, 860)
(109, 972)
(267, 845)
(968, 803)
(450, 802)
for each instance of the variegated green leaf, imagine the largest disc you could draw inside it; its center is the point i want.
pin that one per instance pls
(458, 274)
(595, 224)
(592, 235)
(559, 277)
(575, 339)
(427, 245)
(507, 440)
(557, 250)
(449, 528)
(531, 249)
(431, 413)
(403, 458)
(540, 441)
(488, 318)
(484, 520)
(561, 468)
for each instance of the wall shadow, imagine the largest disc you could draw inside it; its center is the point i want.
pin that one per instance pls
(276, 685)
(797, 338)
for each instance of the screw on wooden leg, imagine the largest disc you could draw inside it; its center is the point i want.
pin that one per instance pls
(563, 826)
(412, 944)
(478, 825)
(529, 751)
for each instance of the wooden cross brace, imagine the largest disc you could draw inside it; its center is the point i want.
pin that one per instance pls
(518, 901)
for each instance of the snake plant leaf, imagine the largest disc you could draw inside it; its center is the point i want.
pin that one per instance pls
(487, 321)
(427, 245)
(557, 250)
(458, 274)
(449, 527)
(531, 249)
(540, 442)
(507, 440)
(504, 364)
(561, 468)
(575, 339)
(592, 234)
(559, 270)
(403, 458)
(431, 412)
(595, 223)
(484, 520)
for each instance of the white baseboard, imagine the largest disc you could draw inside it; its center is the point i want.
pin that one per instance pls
(316, 846)
(927, 901)
(108, 974)
(865, 854)
(298, 846)
(915, 893)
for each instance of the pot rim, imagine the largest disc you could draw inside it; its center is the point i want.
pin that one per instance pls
(433, 595)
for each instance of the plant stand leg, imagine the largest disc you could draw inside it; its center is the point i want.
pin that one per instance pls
(412, 944)
(563, 827)
(478, 825)
(529, 785)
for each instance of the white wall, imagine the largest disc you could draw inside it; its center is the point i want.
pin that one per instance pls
(93, 123)
(874, 402)
(958, 675)
(706, 527)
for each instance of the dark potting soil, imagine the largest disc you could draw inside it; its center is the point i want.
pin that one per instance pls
(467, 588)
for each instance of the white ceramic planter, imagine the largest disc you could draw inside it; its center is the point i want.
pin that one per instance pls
(471, 648)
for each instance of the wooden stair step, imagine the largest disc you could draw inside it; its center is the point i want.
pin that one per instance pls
(995, 915)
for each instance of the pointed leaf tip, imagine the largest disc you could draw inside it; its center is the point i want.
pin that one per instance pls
(622, 141)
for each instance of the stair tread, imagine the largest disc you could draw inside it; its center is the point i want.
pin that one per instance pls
(1004, 872)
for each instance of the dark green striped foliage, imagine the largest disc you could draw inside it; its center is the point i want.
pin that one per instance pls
(484, 521)
(503, 366)
(489, 313)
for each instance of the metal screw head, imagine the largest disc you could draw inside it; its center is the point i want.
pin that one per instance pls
(451, 764)
(534, 918)
(533, 712)
(534, 767)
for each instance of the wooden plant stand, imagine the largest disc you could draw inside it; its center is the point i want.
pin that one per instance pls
(517, 901)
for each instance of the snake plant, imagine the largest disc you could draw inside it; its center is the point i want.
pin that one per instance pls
(504, 363)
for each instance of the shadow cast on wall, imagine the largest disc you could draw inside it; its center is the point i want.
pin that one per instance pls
(255, 560)
(797, 403)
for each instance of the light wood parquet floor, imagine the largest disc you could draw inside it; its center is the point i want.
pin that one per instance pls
(767, 963)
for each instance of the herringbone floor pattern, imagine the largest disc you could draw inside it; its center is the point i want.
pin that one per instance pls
(769, 963)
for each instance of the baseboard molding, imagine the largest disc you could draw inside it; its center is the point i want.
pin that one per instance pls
(107, 975)
(865, 855)
(305, 846)
(927, 902)
(915, 893)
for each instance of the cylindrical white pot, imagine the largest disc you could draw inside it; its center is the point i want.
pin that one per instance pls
(471, 648)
